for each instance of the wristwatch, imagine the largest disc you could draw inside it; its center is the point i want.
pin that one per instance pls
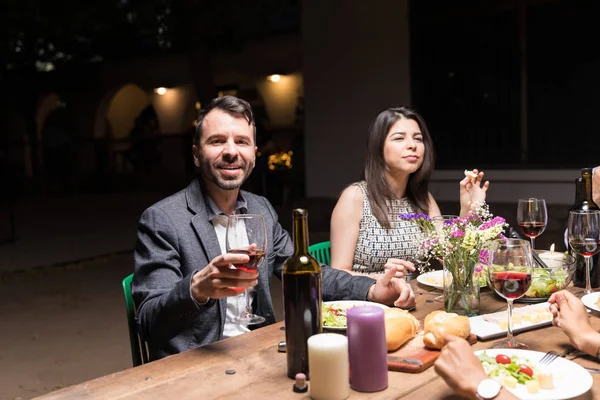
(488, 389)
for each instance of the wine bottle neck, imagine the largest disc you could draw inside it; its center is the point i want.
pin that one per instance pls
(579, 198)
(300, 232)
(587, 187)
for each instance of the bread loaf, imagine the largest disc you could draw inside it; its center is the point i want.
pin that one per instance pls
(400, 327)
(439, 322)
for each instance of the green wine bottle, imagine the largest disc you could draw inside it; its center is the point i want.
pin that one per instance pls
(302, 298)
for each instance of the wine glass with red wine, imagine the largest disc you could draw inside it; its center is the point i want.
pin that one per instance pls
(584, 238)
(532, 217)
(510, 270)
(247, 234)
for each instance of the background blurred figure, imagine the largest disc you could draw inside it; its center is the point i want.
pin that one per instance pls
(145, 152)
(58, 150)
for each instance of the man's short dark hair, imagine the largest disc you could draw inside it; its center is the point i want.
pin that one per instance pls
(231, 105)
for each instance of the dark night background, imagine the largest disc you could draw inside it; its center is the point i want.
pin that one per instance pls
(502, 84)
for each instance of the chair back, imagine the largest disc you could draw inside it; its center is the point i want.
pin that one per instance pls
(321, 251)
(139, 353)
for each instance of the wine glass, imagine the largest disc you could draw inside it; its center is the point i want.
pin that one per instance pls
(584, 238)
(247, 234)
(439, 222)
(532, 217)
(510, 270)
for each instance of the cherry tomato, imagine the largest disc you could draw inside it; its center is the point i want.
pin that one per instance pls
(334, 311)
(526, 369)
(502, 359)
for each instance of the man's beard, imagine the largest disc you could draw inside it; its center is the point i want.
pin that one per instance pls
(212, 174)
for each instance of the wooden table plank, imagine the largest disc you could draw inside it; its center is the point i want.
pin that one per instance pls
(261, 370)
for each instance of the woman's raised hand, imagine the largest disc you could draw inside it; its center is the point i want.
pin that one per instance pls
(472, 191)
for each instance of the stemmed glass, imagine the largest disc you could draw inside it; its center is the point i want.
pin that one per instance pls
(532, 217)
(247, 234)
(438, 223)
(510, 270)
(584, 238)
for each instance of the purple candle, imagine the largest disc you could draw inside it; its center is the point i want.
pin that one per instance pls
(367, 350)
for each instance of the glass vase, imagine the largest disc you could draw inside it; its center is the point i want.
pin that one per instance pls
(461, 291)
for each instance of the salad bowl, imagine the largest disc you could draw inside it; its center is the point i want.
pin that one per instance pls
(555, 277)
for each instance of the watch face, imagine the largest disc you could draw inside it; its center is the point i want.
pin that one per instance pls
(488, 388)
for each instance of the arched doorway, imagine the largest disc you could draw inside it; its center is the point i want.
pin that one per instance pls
(115, 120)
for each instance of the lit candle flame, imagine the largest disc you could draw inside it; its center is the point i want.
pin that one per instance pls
(552, 248)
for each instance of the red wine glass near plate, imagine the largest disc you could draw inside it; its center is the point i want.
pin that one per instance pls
(584, 238)
(510, 271)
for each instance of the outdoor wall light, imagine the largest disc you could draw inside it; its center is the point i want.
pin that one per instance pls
(274, 78)
(160, 91)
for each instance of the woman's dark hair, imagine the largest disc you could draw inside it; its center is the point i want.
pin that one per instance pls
(231, 105)
(378, 190)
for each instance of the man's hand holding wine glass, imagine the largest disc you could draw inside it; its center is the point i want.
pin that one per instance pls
(219, 280)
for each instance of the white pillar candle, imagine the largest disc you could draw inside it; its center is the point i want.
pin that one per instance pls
(553, 259)
(328, 366)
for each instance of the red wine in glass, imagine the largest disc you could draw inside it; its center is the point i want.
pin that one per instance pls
(256, 257)
(532, 229)
(510, 284)
(532, 217)
(586, 247)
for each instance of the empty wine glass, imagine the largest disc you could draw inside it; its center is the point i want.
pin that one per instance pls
(532, 217)
(247, 234)
(584, 238)
(510, 270)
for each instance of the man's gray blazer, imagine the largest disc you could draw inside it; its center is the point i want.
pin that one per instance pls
(175, 240)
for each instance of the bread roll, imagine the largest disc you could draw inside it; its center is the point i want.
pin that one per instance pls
(400, 327)
(439, 322)
(470, 174)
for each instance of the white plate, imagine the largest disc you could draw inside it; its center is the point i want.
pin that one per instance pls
(570, 379)
(347, 304)
(590, 301)
(484, 327)
(435, 279)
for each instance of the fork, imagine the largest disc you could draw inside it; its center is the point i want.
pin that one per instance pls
(553, 355)
(549, 357)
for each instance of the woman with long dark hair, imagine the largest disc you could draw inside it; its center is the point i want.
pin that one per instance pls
(366, 234)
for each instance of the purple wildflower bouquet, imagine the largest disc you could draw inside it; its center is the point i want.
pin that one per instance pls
(462, 244)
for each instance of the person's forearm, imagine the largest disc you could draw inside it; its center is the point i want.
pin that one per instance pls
(589, 343)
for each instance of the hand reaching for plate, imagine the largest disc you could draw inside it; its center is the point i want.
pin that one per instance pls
(403, 267)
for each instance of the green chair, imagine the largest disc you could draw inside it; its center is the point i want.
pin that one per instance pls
(321, 251)
(139, 352)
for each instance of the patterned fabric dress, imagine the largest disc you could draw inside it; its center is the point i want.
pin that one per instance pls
(376, 244)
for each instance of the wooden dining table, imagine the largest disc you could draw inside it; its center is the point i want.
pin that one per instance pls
(250, 367)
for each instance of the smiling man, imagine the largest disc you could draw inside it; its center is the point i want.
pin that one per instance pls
(185, 289)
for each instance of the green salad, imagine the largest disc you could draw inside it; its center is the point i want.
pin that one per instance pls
(545, 282)
(334, 317)
(502, 366)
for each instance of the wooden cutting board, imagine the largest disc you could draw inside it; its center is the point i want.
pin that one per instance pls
(414, 357)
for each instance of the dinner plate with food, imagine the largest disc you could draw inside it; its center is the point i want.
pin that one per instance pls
(494, 325)
(334, 312)
(592, 301)
(436, 279)
(521, 373)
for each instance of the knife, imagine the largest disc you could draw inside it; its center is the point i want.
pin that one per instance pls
(514, 235)
(593, 370)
